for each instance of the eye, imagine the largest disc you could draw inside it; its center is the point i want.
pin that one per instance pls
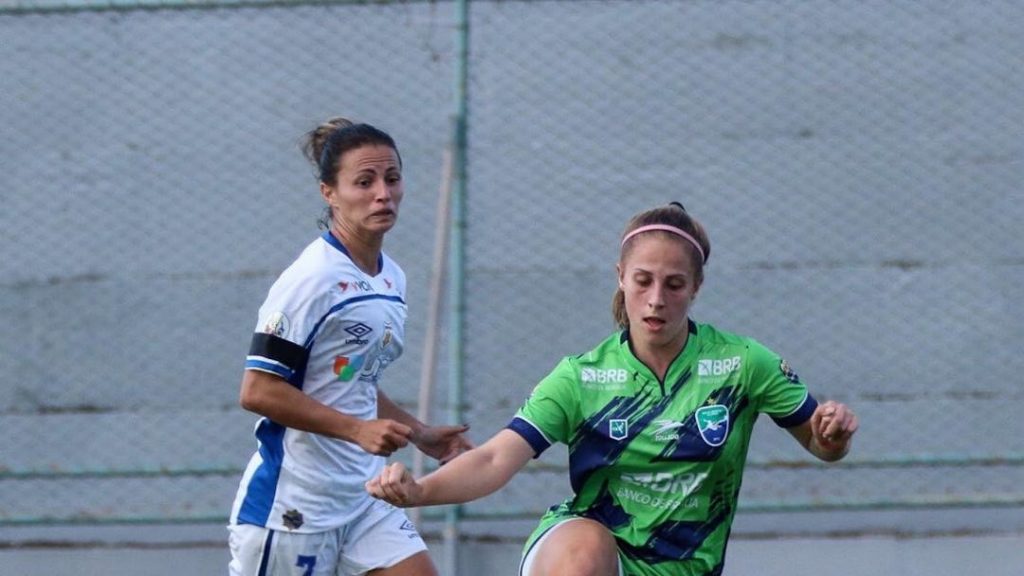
(642, 280)
(394, 178)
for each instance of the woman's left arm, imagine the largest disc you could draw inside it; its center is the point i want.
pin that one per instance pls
(828, 432)
(440, 442)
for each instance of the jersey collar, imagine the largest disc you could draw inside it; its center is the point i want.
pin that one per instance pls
(333, 241)
(679, 364)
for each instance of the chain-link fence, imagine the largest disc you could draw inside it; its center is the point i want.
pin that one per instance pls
(859, 166)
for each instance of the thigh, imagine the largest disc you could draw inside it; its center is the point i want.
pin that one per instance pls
(384, 542)
(577, 546)
(258, 551)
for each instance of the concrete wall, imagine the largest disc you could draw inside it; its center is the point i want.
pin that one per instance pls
(858, 166)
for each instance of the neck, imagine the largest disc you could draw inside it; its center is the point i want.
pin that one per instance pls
(363, 250)
(659, 358)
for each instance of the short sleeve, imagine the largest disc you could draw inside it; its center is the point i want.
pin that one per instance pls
(547, 415)
(278, 343)
(776, 388)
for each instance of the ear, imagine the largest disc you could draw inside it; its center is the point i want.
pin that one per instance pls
(618, 272)
(326, 192)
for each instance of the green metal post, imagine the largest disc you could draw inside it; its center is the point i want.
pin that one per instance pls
(457, 257)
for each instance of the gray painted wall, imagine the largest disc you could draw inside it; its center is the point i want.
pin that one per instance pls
(858, 166)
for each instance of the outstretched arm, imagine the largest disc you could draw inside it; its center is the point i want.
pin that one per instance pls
(829, 431)
(471, 475)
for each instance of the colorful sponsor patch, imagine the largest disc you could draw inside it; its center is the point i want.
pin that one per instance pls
(345, 367)
(713, 424)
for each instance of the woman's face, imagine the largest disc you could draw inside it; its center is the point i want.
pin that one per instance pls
(658, 277)
(365, 199)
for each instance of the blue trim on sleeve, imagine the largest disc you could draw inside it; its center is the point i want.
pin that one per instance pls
(264, 366)
(531, 434)
(798, 416)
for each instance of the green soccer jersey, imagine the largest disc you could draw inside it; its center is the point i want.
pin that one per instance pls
(660, 463)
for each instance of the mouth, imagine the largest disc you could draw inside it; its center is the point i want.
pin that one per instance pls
(653, 323)
(385, 213)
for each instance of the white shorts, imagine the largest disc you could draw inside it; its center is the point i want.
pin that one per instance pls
(380, 538)
(527, 562)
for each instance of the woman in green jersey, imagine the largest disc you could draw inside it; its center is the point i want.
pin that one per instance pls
(657, 419)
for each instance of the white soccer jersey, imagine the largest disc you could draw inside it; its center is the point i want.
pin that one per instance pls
(329, 329)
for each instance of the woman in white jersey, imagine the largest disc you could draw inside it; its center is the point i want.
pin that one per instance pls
(330, 324)
(657, 419)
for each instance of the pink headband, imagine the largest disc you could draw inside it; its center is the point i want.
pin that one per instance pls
(667, 228)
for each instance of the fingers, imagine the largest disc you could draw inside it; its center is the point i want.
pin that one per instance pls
(384, 437)
(834, 422)
(392, 485)
(456, 446)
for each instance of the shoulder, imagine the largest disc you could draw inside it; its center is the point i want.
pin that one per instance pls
(756, 355)
(606, 351)
(603, 363)
(392, 270)
(711, 336)
(313, 276)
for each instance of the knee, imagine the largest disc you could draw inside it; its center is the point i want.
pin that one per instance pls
(578, 549)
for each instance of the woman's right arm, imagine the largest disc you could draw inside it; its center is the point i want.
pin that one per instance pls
(271, 396)
(473, 474)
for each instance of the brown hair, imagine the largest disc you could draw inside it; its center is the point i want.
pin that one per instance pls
(676, 216)
(324, 146)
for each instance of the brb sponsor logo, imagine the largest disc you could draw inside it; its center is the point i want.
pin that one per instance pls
(720, 367)
(662, 489)
(603, 375)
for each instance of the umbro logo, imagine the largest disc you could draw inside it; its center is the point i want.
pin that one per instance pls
(358, 329)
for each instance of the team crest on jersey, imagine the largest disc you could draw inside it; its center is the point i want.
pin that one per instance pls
(292, 519)
(713, 423)
(788, 372)
(277, 324)
(618, 428)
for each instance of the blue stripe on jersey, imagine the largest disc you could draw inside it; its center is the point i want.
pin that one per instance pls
(266, 366)
(800, 415)
(531, 434)
(316, 328)
(259, 496)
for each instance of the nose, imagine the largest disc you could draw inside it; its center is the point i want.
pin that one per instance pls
(656, 297)
(383, 191)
